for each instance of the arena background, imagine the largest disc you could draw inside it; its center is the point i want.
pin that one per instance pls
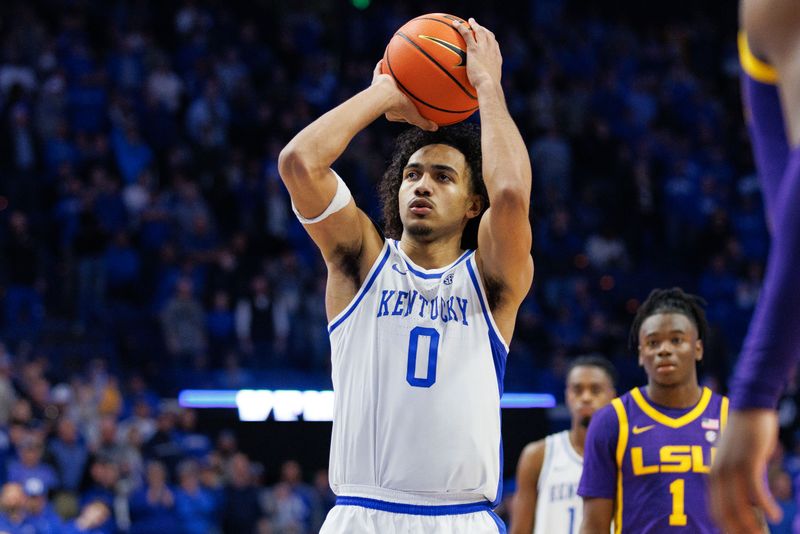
(148, 246)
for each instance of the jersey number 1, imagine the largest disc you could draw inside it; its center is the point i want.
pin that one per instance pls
(677, 518)
(413, 349)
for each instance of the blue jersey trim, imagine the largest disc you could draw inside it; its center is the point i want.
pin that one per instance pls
(499, 495)
(501, 527)
(361, 293)
(499, 352)
(428, 276)
(499, 356)
(414, 509)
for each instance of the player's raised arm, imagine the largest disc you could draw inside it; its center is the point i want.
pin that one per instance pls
(504, 237)
(529, 467)
(332, 219)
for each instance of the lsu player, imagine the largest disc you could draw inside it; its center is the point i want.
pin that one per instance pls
(648, 454)
(769, 49)
(419, 326)
(549, 470)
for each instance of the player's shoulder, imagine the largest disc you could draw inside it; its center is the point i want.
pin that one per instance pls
(531, 459)
(605, 421)
(534, 451)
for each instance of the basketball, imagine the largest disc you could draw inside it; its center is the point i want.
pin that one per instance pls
(427, 57)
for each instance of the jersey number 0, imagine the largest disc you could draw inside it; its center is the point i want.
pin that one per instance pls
(429, 378)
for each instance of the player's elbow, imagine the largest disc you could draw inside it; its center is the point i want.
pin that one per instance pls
(294, 163)
(514, 197)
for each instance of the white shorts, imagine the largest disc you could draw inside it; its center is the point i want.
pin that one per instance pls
(359, 515)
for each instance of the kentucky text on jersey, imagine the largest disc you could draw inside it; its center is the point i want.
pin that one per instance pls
(404, 303)
(563, 491)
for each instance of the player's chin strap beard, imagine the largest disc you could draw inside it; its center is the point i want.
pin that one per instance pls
(585, 421)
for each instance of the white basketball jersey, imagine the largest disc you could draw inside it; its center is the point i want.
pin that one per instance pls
(559, 508)
(417, 373)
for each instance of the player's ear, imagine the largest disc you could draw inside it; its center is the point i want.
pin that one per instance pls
(698, 348)
(639, 352)
(475, 206)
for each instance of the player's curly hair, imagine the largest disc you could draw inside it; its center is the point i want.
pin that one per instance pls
(674, 300)
(464, 137)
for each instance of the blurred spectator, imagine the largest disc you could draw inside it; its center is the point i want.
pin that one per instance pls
(194, 444)
(152, 507)
(12, 507)
(183, 322)
(255, 320)
(780, 485)
(241, 508)
(195, 505)
(29, 465)
(95, 518)
(69, 453)
(40, 515)
(24, 307)
(8, 394)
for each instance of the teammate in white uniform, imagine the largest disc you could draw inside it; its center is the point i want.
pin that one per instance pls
(549, 470)
(419, 322)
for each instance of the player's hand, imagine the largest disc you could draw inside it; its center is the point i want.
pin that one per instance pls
(484, 61)
(401, 108)
(738, 476)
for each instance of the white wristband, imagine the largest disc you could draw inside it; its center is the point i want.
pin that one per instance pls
(339, 201)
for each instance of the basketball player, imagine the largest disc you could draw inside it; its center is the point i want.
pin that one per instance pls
(770, 52)
(648, 454)
(419, 326)
(549, 470)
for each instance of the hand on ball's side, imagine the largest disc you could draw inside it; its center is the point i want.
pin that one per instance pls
(400, 107)
(484, 61)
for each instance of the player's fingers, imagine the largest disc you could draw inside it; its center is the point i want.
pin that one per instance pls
(377, 70)
(465, 31)
(764, 499)
(737, 509)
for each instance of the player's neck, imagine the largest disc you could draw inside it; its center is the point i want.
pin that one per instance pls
(432, 254)
(577, 438)
(677, 396)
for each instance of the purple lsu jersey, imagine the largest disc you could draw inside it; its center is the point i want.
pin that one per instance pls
(659, 465)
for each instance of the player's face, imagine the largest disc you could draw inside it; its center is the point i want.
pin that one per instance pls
(435, 195)
(589, 388)
(669, 349)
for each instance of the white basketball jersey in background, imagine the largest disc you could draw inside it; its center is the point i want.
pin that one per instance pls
(559, 508)
(417, 375)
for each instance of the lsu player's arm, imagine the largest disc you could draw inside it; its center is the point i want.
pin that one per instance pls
(504, 236)
(598, 485)
(597, 515)
(529, 467)
(305, 168)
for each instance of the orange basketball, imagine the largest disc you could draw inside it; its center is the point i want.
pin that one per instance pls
(427, 57)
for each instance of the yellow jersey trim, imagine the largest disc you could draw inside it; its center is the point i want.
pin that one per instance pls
(666, 420)
(723, 414)
(622, 444)
(757, 69)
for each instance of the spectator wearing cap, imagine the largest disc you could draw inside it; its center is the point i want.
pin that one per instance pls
(30, 464)
(69, 453)
(196, 506)
(152, 507)
(40, 514)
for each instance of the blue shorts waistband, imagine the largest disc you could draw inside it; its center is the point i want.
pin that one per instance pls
(415, 509)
